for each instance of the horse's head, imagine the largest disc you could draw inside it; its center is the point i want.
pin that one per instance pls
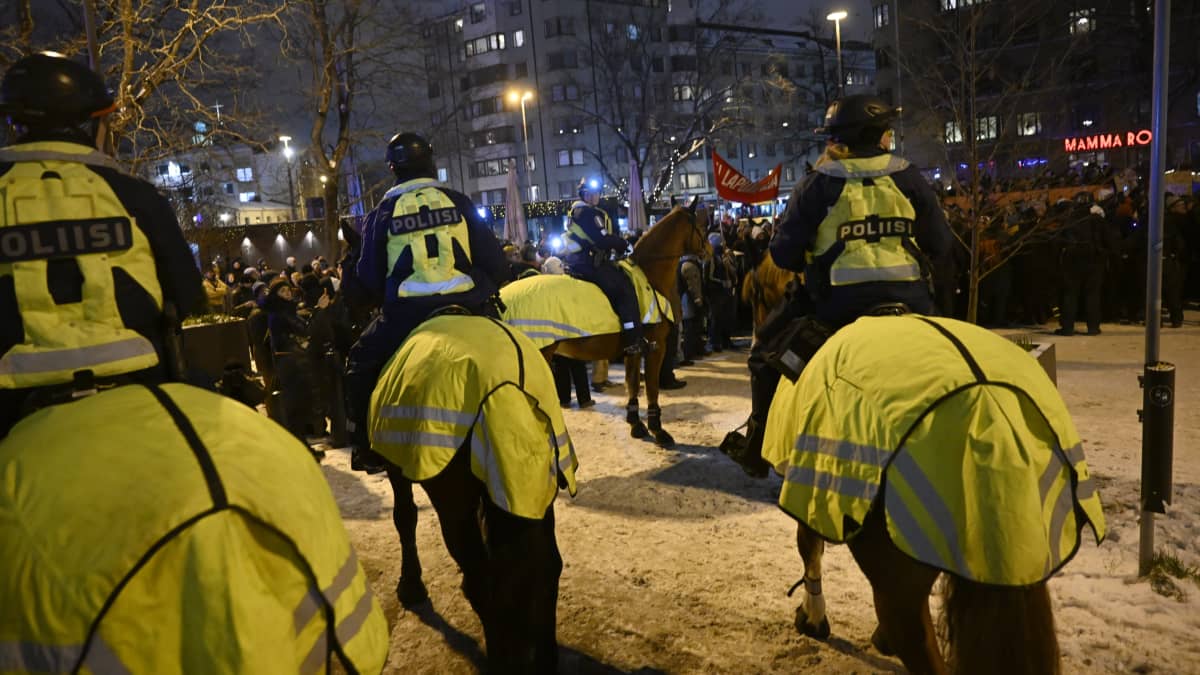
(695, 242)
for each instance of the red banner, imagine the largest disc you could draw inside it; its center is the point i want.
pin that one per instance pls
(735, 187)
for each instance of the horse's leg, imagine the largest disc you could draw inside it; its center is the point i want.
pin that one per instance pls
(524, 566)
(411, 589)
(810, 615)
(901, 587)
(456, 495)
(633, 374)
(654, 362)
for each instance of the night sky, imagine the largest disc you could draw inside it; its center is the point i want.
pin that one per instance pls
(791, 12)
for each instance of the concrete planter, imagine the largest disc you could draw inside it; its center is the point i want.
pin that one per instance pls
(209, 348)
(1044, 353)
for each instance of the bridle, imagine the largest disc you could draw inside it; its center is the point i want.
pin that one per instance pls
(697, 232)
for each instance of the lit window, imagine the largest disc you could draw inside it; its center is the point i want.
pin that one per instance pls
(881, 16)
(564, 158)
(247, 196)
(632, 32)
(955, 4)
(986, 127)
(518, 38)
(953, 133)
(692, 181)
(1029, 124)
(682, 92)
(789, 173)
(443, 175)
(245, 174)
(458, 25)
(478, 12)
(577, 157)
(1082, 21)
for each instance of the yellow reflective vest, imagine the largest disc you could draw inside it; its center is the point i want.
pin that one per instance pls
(460, 377)
(165, 530)
(869, 230)
(981, 470)
(53, 207)
(427, 225)
(577, 238)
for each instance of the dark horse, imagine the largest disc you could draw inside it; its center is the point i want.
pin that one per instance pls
(657, 253)
(441, 436)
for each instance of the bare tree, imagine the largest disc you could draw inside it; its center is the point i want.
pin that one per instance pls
(653, 91)
(975, 67)
(357, 77)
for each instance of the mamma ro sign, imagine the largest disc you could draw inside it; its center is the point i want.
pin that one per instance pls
(1107, 141)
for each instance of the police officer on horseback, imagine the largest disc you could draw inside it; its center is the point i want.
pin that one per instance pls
(588, 245)
(424, 248)
(92, 260)
(866, 229)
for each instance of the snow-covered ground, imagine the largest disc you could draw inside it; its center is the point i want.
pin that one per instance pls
(676, 561)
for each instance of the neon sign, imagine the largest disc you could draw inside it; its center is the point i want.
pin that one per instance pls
(1108, 141)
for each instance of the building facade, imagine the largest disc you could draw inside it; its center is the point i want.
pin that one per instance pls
(571, 90)
(1029, 87)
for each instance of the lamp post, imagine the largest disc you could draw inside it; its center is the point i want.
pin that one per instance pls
(288, 153)
(836, 18)
(522, 97)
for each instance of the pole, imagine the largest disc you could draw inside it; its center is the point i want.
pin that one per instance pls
(291, 190)
(525, 148)
(1154, 248)
(837, 29)
(899, 90)
(89, 22)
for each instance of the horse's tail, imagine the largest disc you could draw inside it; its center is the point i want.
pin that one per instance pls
(994, 629)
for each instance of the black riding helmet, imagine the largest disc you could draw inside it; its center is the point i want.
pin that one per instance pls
(48, 90)
(858, 120)
(410, 156)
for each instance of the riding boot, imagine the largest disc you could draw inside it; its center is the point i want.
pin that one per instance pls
(632, 340)
(747, 450)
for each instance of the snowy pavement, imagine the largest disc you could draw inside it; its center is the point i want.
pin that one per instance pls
(675, 561)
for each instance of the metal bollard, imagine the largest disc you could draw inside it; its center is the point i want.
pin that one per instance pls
(1158, 420)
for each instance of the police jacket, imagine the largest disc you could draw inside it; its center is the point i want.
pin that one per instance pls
(426, 242)
(591, 229)
(808, 237)
(88, 256)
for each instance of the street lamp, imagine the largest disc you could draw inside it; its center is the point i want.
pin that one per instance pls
(836, 18)
(522, 97)
(288, 153)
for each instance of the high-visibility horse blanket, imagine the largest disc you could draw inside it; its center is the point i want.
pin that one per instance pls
(553, 307)
(170, 529)
(470, 377)
(955, 431)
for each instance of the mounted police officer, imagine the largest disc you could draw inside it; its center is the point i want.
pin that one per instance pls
(424, 248)
(90, 256)
(588, 244)
(864, 227)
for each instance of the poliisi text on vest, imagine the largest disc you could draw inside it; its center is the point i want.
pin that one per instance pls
(64, 239)
(875, 227)
(424, 219)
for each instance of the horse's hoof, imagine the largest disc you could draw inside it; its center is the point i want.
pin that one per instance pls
(818, 632)
(880, 643)
(411, 593)
(663, 439)
(638, 430)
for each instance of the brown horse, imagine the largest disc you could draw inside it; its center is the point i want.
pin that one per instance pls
(764, 287)
(657, 253)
